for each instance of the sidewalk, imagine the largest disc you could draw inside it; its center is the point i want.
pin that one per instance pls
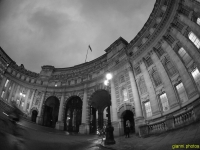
(184, 138)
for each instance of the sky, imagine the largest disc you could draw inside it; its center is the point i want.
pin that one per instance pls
(57, 32)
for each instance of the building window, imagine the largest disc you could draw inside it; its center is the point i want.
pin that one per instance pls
(149, 61)
(196, 75)
(194, 39)
(156, 78)
(124, 94)
(7, 81)
(181, 92)
(122, 79)
(147, 106)
(160, 51)
(142, 86)
(164, 102)
(169, 67)
(184, 55)
(198, 21)
(137, 70)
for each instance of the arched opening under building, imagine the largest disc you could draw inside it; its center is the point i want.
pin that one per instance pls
(34, 115)
(73, 114)
(51, 110)
(128, 116)
(99, 102)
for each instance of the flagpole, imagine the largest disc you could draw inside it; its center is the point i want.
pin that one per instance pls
(86, 54)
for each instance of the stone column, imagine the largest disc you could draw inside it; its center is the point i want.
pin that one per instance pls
(17, 92)
(26, 100)
(60, 124)
(138, 108)
(31, 101)
(6, 91)
(11, 92)
(39, 117)
(185, 77)
(84, 127)
(195, 28)
(2, 84)
(152, 95)
(114, 116)
(187, 45)
(169, 89)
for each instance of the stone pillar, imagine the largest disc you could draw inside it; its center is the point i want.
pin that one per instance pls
(11, 92)
(195, 28)
(6, 91)
(26, 100)
(187, 45)
(114, 116)
(39, 117)
(185, 77)
(60, 123)
(169, 89)
(17, 92)
(138, 108)
(152, 95)
(84, 127)
(31, 101)
(2, 84)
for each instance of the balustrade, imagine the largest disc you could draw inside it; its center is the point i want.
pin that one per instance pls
(184, 118)
(157, 128)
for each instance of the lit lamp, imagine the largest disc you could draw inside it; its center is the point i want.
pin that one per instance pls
(109, 127)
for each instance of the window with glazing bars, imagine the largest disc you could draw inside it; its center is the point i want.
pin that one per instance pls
(142, 85)
(148, 110)
(137, 70)
(164, 102)
(184, 55)
(149, 61)
(195, 40)
(181, 92)
(169, 67)
(156, 77)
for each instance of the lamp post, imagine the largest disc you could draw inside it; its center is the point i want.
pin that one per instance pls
(109, 127)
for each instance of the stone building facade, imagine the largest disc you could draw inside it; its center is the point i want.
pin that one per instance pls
(155, 84)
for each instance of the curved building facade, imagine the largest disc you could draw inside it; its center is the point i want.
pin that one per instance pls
(155, 84)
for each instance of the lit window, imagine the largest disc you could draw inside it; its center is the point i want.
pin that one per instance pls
(164, 101)
(194, 39)
(142, 86)
(156, 78)
(22, 104)
(196, 75)
(184, 55)
(2, 94)
(18, 102)
(181, 92)
(125, 94)
(147, 106)
(6, 82)
(198, 21)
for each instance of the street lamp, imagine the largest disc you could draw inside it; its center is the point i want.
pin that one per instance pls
(109, 127)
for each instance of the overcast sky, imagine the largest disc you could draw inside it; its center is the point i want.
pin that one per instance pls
(58, 32)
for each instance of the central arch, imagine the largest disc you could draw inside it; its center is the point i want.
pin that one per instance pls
(99, 100)
(73, 114)
(51, 110)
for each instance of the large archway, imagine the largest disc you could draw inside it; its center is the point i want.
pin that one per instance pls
(128, 116)
(34, 115)
(51, 110)
(100, 100)
(73, 114)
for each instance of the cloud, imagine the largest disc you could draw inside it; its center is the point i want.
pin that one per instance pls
(49, 32)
